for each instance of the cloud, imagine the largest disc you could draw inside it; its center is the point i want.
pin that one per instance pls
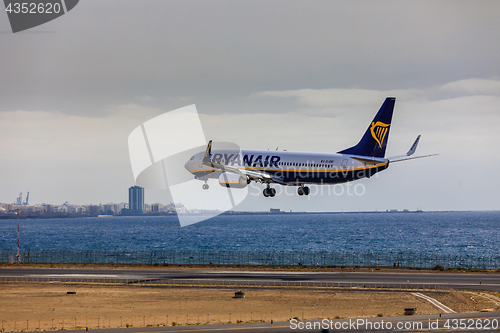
(473, 86)
(61, 157)
(452, 124)
(145, 98)
(341, 99)
(168, 49)
(338, 98)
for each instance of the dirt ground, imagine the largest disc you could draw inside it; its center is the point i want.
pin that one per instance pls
(464, 302)
(33, 306)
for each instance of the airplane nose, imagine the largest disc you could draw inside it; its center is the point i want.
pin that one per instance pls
(187, 166)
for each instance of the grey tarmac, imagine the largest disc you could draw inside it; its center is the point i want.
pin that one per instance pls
(489, 282)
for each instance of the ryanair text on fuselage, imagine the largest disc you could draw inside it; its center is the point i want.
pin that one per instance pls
(246, 160)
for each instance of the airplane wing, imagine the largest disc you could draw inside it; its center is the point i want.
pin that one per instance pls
(411, 158)
(259, 176)
(410, 152)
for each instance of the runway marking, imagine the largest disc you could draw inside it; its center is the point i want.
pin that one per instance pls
(435, 302)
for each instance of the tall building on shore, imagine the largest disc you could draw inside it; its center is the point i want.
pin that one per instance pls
(136, 199)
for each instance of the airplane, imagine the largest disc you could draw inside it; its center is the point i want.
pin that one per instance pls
(238, 168)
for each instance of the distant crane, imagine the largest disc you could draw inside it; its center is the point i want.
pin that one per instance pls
(27, 197)
(20, 199)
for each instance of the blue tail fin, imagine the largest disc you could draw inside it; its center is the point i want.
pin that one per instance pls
(374, 141)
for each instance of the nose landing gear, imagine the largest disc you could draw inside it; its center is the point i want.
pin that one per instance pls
(303, 190)
(205, 186)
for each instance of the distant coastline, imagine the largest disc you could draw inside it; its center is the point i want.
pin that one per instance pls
(13, 216)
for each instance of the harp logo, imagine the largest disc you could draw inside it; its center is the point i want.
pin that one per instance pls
(379, 131)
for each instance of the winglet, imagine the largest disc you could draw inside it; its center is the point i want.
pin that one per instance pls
(208, 154)
(409, 153)
(413, 147)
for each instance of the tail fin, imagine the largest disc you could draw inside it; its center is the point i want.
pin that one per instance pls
(374, 141)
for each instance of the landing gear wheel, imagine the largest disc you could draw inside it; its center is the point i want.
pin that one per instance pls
(205, 186)
(269, 192)
(307, 190)
(300, 191)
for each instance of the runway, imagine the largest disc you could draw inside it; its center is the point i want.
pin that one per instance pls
(489, 282)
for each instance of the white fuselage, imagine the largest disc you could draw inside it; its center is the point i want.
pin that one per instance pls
(292, 167)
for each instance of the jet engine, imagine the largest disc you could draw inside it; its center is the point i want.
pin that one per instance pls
(233, 180)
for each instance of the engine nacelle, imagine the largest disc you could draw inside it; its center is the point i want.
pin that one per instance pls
(233, 180)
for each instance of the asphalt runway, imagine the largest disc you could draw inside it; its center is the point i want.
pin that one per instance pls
(475, 322)
(489, 282)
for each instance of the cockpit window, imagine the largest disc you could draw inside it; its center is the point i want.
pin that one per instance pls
(192, 158)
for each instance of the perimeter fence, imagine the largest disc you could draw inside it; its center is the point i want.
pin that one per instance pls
(257, 258)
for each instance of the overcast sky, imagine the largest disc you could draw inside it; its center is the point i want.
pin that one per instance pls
(298, 75)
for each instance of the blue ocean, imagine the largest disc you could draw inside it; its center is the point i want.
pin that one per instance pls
(446, 233)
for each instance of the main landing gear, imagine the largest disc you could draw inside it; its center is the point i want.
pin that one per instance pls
(269, 191)
(205, 186)
(303, 190)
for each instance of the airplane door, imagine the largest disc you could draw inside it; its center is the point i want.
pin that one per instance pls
(344, 164)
